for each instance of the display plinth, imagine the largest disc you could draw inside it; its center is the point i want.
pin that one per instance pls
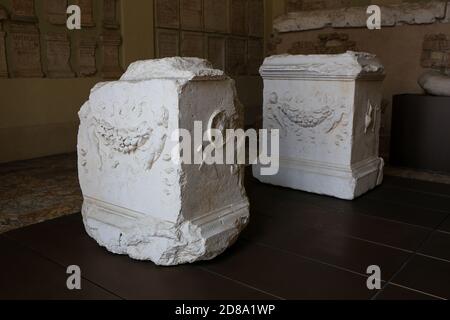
(420, 132)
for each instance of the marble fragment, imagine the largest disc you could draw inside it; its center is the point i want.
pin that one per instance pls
(138, 201)
(435, 83)
(351, 17)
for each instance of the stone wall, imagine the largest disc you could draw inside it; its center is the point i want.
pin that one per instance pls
(230, 34)
(304, 5)
(38, 43)
(436, 52)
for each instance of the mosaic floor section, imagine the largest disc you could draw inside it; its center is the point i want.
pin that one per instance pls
(36, 190)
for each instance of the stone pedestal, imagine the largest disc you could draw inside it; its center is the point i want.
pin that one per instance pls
(139, 201)
(327, 108)
(420, 132)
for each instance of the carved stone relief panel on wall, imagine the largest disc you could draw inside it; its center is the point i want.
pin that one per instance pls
(58, 56)
(87, 12)
(191, 15)
(236, 56)
(86, 57)
(255, 55)
(238, 16)
(167, 13)
(56, 11)
(3, 15)
(193, 44)
(110, 14)
(216, 51)
(3, 64)
(216, 15)
(111, 68)
(436, 51)
(256, 18)
(167, 43)
(23, 10)
(24, 50)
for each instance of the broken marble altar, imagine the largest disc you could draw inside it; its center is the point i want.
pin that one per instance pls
(138, 201)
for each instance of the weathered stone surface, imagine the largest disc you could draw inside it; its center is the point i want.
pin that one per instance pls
(216, 51)
(110, 45)
(328, 43)
(3, 14)
(192, 44)
(396, 14)
(436, 51)
(255, 18)
(327, 108)
(23, 10)
(255, 55)
(236, 56)
(167, 43)
(86, 65)
(238, 17)
(216, 16)
(139, 202)
(58, 56)
(167, 13)
(24, 50)
(56, 11)
(110, 14)
(3, 64)
(191, 14)
(300, 5)
(435, 83)
(87, 12)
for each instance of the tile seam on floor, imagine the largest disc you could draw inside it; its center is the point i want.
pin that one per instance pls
(206, 269)
(352, 237)
(392, 220)
(444, 231)
(343, 211)
(369, 196)
(307, 258)
(430, 193)
(40, 254)
(418, 291)
(433, 257)
(323, 262)
(415, 253)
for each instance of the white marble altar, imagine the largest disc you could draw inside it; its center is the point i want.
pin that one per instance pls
(139, 202)
(327, 108)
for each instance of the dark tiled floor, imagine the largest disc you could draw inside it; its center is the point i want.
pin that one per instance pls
(298, 246)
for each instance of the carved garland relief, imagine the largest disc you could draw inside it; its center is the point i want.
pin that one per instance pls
(294, 116)
(115, 145)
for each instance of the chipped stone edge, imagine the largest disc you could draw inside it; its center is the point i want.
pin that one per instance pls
(392, 15)
(129, 233)
(349, 65)
(175, 67)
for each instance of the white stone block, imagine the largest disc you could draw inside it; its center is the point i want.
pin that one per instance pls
(139, 202)
(356, 17)
(328, 109)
